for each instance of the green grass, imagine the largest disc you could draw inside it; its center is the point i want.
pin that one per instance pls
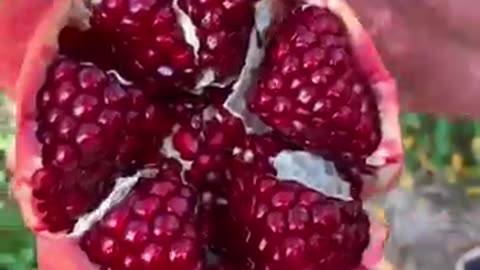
(16, 243)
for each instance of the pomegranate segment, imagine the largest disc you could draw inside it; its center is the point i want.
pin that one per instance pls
(153, 228)
(281, 224)
(311, 90)
(287, 228)
(157, 43)
(148, 44)
(92, 129)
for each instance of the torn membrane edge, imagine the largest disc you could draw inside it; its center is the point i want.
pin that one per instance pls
(122, 188)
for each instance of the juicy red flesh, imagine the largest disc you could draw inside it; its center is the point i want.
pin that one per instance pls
(92, 128)
(311, 90)
(284, 225)
(154, 228)
(148, 44)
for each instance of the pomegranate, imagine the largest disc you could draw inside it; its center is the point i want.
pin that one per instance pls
(177, 134)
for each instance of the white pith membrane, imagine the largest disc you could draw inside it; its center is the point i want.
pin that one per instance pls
(312, 171)
(189, 29)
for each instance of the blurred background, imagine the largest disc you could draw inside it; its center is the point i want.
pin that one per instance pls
(434, 214)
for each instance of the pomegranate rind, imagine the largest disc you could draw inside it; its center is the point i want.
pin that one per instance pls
(374, 255)
(26, 29)
(387, 160)
(15, 36)
(27, 74)
(73, 258)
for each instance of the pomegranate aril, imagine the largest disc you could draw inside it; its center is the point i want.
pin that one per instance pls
(115, 96)
(154, 256)
(131, 262)
(165, 226)
(86, 107)
(115, 222)
(45, 182)
(186, 142)
(91, 79)
(89, 139)
(136, 233)
(310, 87)
(63, 94)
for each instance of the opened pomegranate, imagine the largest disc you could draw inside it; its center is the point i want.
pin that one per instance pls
(197, 135)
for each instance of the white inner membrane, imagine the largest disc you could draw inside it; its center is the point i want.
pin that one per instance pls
(123, 186)
(312, 171)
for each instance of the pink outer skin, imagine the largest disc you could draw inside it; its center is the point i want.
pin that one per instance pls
(28, 31)
(27, 75)
(388, 157)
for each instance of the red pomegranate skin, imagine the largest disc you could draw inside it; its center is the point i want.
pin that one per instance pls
(311, 89)
(25, 74)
